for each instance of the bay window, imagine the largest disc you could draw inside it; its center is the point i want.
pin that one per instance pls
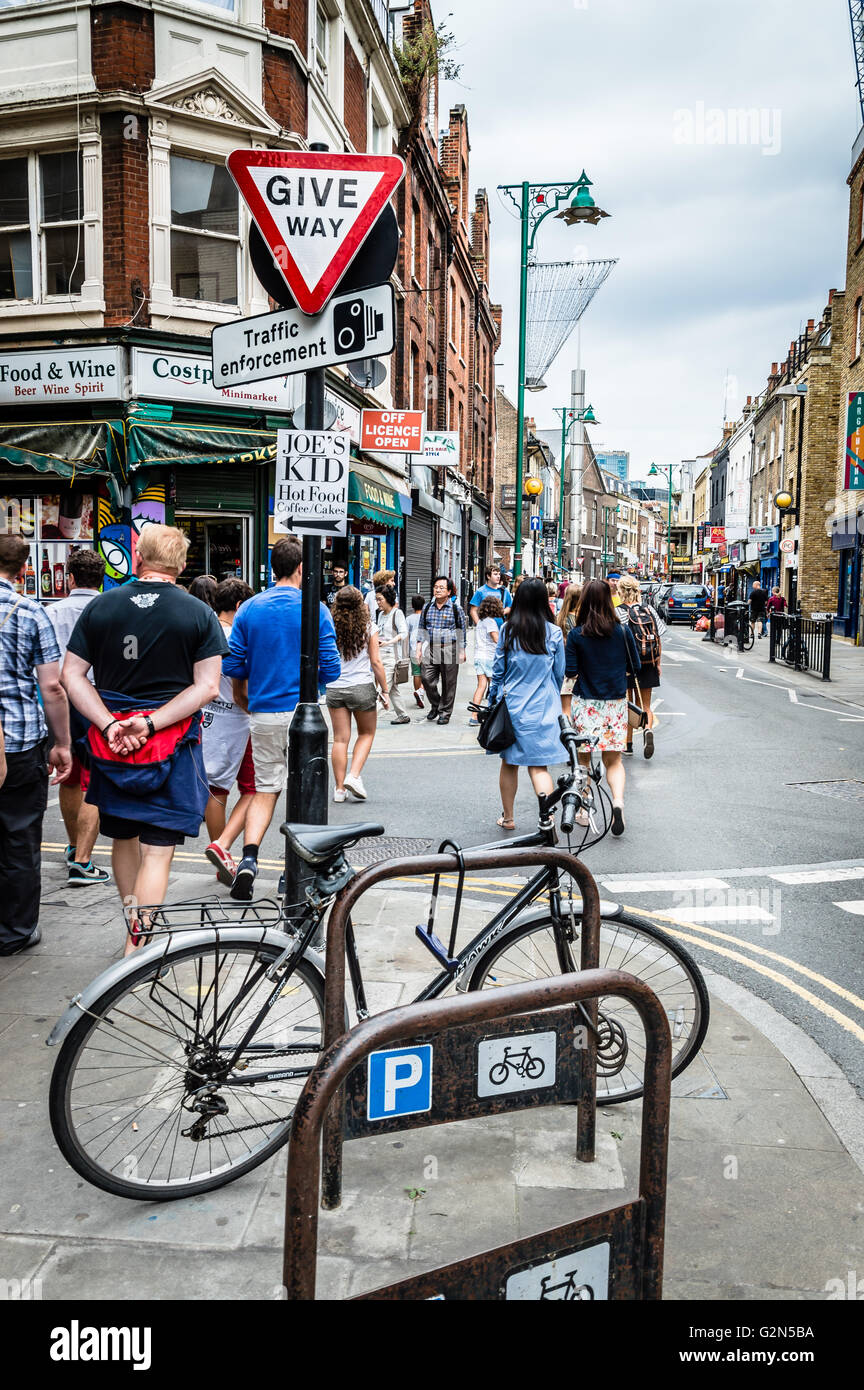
(205, 231)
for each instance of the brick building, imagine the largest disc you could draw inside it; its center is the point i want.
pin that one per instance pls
(123, 243)
(846, 525)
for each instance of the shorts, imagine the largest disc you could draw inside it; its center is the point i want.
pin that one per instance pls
(245, 777)
(116, 828)
(605, 719)
(357, 699)
(79, 776)
(415, 669)
(483, 668)
(270, 751)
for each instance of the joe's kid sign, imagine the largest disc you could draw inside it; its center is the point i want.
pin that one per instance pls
(312, 468)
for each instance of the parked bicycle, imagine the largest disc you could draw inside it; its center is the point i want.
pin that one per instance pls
(180, 1067)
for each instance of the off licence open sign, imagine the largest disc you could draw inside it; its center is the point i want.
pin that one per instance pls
(392, 431)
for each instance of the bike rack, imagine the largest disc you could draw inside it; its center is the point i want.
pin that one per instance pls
(616, 1254)
(576, 1078)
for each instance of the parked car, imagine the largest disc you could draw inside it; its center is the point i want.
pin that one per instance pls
(680, 603)
(650, 589)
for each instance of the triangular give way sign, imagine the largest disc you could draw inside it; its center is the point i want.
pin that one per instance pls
(315, 211)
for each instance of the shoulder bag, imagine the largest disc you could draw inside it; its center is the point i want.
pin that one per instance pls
(637, 717)
(496, 727)
(402, 669)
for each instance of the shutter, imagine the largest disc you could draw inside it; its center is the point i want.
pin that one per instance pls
(419, 551)
(215, 489)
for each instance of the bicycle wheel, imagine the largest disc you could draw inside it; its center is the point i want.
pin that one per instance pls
(126, 1077)
(499, 1074)
(629, 942)
(749, 638)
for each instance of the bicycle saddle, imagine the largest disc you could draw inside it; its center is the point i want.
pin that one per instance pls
(317, 844)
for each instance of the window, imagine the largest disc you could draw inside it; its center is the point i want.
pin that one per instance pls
(41, 227)
(594, 518)
(414, 403)
(416, 241)
(858, 328)
(451, 413)
(322, 43)
(205, 231)
(381, 143)
(463, 335)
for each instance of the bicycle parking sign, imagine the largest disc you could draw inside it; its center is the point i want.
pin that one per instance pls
(525, 1062)
(399, 1082)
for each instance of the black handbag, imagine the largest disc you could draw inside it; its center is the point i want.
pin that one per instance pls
(496, 729)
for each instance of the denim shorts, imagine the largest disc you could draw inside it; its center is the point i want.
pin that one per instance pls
(357, 699)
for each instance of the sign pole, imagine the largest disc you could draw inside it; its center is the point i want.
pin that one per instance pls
(308, 773)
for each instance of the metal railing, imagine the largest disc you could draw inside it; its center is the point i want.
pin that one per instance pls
(802, 643)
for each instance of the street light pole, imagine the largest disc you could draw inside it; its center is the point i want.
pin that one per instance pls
(534, 202)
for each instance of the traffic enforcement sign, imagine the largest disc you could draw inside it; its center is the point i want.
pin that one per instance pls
(288, 341)
(311, 496)
(314, 210)
(392, 431)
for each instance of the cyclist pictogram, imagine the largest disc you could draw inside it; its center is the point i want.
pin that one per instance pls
(522, 1062)
(568, 1291)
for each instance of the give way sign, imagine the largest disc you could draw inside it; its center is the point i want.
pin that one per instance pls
(315, 211)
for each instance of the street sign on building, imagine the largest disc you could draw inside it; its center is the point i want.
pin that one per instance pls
(761, 533)
(311, 493)
(392, 431)
(855, 442)
(550, 530)
(286, 342)
(508, 496)
(314, 210)
(442, 446)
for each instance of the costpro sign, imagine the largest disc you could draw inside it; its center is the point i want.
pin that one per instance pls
(314, 210)
(392, 431)
(311, 496)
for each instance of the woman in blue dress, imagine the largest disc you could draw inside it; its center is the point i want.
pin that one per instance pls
(529, 669)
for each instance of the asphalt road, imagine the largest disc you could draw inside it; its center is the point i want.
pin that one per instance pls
(762, 873)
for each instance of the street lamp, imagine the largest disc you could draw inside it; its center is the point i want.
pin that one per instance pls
(654, 472)
(534, 202)
(569, 418)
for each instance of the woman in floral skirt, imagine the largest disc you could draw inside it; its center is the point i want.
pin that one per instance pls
(600, 652)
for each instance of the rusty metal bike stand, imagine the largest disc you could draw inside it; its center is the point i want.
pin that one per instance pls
(616, 1254)
(575, 1077)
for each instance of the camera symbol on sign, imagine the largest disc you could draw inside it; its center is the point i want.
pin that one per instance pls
(355, 324)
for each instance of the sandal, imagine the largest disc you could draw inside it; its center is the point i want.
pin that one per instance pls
(505, 822)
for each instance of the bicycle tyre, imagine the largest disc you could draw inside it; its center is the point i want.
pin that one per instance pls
(750, 640)
(690, 994)
(305, 980)
(499, 1074)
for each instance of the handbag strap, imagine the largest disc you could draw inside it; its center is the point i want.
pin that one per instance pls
(628, 660)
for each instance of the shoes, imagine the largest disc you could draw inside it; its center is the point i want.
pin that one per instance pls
(617, 821)
(474, 723)
(443, 719)
(85, 873)
(355, 786)
(404, 720)
(69, 853)
(226, 868)
(419, 699)
(648, 749)
(32, 940)
(340, 795)
(244, 882)
(629, 749)
(433, 714)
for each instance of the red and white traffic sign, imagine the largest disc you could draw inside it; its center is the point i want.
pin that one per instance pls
(314, 211)
(392, 431)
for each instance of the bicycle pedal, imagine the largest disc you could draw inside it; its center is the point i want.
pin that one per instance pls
(437, 947)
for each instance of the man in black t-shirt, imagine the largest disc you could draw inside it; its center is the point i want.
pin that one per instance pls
(340, 579)
(156, 653)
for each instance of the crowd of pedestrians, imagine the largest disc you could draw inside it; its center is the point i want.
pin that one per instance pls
(153, 705)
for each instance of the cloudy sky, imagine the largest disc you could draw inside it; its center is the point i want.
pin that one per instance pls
(725, 249)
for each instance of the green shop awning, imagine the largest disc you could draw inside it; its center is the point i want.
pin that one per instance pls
(179, 446)
(372, 496)
(73, 449)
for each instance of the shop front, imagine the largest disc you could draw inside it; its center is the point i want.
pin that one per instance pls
(846, 545)
(478, 543)
(376, 511)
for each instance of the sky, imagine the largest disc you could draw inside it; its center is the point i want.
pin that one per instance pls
(725, 247)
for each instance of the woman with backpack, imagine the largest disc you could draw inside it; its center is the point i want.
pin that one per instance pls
(601, 654)
(647, 628)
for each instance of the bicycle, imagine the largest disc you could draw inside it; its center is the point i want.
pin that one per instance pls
(173, 1059)
(522, 1063)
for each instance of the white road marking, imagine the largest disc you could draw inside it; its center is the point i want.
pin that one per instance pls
(664, 885)
(680, 656)
(820, 876)
(733, 913)
(855, 907)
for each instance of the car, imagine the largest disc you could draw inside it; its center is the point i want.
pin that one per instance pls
(649, 588)
(681, 603)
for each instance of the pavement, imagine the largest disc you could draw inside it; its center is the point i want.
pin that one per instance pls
(763, 885)
(766, 1170)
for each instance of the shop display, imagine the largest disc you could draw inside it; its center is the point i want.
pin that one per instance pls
(55, 524)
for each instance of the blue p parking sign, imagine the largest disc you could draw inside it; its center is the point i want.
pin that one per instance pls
(399, 1082)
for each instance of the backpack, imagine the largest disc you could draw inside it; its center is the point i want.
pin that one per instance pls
(458, 623)
(645, 633)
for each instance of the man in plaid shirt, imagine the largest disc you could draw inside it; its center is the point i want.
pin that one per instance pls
(29, 658)
(440, 649)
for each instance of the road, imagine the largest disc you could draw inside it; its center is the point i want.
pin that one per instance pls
(743, 832)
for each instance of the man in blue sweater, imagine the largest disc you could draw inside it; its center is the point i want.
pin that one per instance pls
(264, 666)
